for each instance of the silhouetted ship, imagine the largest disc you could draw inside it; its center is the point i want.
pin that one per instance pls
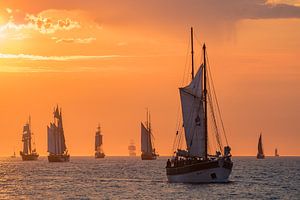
(195, 165)
(29, 151)
(56, 139)
(98, 144)
(148, 151)
(14, 155)
(276, 153)
(260, 153)
(132, 149)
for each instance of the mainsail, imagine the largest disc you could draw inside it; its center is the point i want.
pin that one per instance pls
(56, 137)
(193, 115)
(26, 139)
(260, 146)
(146, 143)
(98, 139)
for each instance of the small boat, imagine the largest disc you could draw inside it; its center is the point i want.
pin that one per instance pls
(14, 155)
(148, 151)
(276, 153)
(29, 151)
(260, 153)
(98, 144)
(132, 149)
(56, 139)
(194, 164)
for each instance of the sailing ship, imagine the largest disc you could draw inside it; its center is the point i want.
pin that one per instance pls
(276, 153)
(260, 153)
(195, 164)
(148, 151)
(29, 151)
(56, 139)
(98, 144)
(14, 155)
(132, 148)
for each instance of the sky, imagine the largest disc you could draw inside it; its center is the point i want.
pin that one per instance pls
(107, 61)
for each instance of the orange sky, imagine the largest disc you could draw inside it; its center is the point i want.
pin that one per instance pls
(107, 61)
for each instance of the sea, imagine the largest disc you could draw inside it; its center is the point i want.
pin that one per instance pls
(132, 178)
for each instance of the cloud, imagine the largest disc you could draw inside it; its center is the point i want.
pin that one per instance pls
(58, 58)
(26, 69)
(74, 40)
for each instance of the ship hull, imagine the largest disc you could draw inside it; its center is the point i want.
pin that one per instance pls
(99, 155)
(260, 156)
(29, 157)
(59, 158)
(148, 156)
(217, 171)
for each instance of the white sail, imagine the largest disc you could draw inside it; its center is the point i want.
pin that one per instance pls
(146, 145)
(193, 115)
(51, 139)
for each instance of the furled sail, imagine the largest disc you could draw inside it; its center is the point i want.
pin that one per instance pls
(146, 144)
(193, 115)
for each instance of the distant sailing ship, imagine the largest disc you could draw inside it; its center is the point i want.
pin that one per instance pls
(98, 144)
(276, 153)
(132, 149)
(260, 153)
(56, 139)
(29, 151)
(14, 155)
(195, 165)
(148, 151)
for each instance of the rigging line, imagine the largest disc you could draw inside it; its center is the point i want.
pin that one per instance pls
(178, 120)
(214, 119)
(212, 115)
(215, 96)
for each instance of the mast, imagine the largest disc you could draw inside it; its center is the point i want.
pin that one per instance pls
(205, 99)
(192, 51)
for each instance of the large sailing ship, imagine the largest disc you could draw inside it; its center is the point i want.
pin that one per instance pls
(132, 149)
(198, 103)
(98, 144)
(276, 152)
(260, 153)
(148, 151)
(29, 151)
(56, 139)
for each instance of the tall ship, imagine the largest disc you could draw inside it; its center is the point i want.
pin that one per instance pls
(29, 150)
(147, 146)
(98, 144)
(276, 152)
(132, 149)
(56, 139)
(260, 150)
(200, 108)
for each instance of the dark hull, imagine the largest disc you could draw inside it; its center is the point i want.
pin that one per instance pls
(260, 156)
(29, 157)
(99, 155)
(195, 166)
(148, 156)
(59, 158)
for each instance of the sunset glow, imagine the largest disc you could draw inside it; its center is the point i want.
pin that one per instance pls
(106, 62)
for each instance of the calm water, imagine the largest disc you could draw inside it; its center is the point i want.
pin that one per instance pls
(131, 178)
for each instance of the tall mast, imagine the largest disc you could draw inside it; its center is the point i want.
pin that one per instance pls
(205, 99)
(192, 47)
